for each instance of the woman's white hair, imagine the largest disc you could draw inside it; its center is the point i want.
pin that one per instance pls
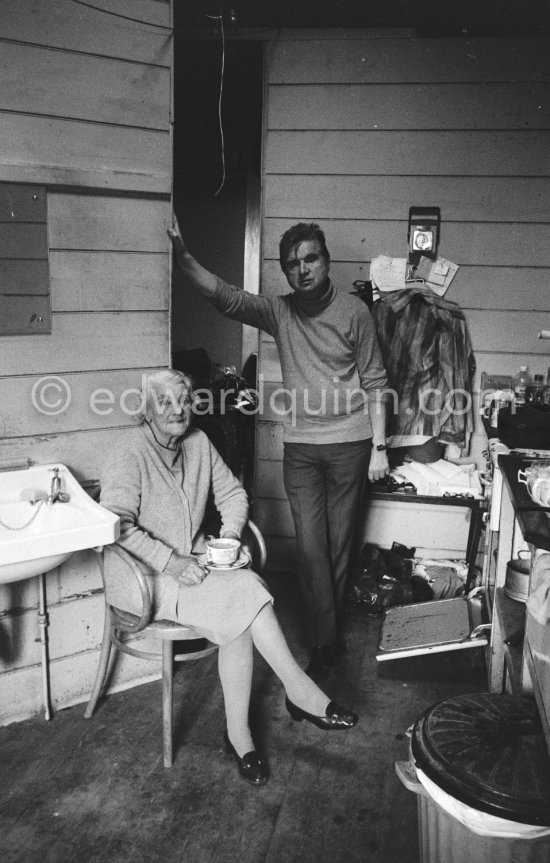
(166, 378)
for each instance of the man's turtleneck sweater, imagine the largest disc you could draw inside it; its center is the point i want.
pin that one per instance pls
(329, 358)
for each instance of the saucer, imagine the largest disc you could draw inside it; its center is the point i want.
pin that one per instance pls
(242, 560)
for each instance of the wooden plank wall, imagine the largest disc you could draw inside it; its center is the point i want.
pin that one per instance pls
(86, 113)
(358, 129)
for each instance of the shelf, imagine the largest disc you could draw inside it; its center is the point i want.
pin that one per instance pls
(532, 519)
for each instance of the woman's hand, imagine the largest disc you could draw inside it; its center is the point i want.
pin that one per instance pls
(186, 570)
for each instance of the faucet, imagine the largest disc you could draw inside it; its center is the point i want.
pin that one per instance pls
(55, 489)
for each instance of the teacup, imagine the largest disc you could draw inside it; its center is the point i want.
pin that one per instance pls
(223, 551)
(540, 467)
(541, 491)
(538, 486)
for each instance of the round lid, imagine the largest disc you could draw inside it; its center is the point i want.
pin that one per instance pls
(488, 751)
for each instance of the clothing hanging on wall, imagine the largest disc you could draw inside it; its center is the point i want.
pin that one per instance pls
(429, 362)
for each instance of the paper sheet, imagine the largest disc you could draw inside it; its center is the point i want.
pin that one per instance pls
(390, 274)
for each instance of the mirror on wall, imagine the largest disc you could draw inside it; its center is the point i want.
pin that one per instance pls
(24, 269)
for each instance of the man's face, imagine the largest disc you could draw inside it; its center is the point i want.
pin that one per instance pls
(306, 269)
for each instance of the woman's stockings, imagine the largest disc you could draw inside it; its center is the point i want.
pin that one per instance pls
(270, 641)
(235, 662)
(235, 668)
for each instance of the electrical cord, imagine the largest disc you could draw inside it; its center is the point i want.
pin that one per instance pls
(220, 98)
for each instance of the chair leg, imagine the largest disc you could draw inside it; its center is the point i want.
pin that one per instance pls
(167, 702)
(102, 667)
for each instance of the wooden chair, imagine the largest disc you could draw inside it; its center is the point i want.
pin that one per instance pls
(119, 625)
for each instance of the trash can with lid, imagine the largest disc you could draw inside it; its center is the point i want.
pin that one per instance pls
(480, 768)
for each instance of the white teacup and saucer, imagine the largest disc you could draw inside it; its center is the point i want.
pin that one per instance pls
(537, 482)
(224, 553)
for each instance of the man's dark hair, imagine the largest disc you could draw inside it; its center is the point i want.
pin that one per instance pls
(300, 233)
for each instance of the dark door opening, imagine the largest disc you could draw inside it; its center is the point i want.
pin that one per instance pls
(218, 94)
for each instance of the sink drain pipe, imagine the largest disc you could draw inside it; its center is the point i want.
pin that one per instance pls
(43, 623)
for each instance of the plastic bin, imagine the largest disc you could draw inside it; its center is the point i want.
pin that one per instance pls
(479, 766)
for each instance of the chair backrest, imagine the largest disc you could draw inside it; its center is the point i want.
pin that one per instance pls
(252, 538)
(117, 565)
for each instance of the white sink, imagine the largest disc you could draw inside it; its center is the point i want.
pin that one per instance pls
(37, 535)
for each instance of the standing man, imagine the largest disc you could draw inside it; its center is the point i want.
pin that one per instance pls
(335, 431)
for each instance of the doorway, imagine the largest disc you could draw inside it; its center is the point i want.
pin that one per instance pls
(218, 95)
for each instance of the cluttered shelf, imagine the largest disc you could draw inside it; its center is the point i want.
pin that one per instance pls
(477, 506)
(520, 644)
(533, 519)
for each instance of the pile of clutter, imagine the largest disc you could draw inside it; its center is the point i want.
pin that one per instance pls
(441, 478)
(382, 578)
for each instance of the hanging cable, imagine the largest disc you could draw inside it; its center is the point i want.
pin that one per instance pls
(222, 72)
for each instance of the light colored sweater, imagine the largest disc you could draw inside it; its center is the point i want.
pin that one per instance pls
(160, 496)
(329, 357)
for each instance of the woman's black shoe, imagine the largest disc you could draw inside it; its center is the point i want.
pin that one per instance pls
(336, 718)
(251, 766)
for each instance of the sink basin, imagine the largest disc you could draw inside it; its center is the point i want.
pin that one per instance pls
(35, 535)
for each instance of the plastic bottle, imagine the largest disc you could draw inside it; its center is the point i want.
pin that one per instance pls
(536, 391)
(522, 385)
(545, 395)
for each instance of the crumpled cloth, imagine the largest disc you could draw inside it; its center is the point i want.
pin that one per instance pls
(447, 578)
(538, 602)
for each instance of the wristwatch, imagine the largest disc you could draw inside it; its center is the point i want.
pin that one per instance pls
(380, 447)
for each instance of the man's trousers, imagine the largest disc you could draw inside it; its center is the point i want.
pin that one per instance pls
(324, 484)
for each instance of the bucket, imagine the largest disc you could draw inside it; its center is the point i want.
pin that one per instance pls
(480, 769)
(516, 584)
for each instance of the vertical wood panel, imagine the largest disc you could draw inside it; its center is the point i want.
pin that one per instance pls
(353, 59)
(105, 68)
(447, 153)
(123, 93)
(405, 106)
(361, 129)
(71, 153)
(87, 29)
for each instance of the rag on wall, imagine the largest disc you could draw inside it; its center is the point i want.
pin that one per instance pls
(429, 362)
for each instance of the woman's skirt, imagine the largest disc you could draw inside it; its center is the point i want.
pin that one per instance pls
(224, 605)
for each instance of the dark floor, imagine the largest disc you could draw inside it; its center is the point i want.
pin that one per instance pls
(96, 790)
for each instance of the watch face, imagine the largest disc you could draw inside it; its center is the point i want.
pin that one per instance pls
(422, 240)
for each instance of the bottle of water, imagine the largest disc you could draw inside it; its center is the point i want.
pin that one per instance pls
(522, 385)
(536, 392)
(546, 393)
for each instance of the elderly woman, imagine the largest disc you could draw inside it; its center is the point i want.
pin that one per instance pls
(158, 481)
